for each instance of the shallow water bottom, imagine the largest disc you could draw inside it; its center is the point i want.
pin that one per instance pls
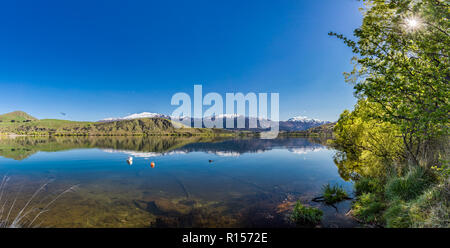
(237, 184)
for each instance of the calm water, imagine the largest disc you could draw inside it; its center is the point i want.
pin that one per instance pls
(195, 182)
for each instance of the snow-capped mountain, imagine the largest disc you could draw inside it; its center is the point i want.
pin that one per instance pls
(145, 115)
(226, 116)
(300, 123)
(136, 116)
(304, 119)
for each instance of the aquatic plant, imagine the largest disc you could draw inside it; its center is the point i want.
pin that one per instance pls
(333, 194)
(306, 215)
(28, 215)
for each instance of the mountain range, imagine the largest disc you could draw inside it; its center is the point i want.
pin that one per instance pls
(298, 123)
(19, 122)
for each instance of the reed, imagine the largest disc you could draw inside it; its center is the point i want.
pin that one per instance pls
(28, 214)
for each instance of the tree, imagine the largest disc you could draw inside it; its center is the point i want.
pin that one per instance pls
(366, 146)
(402, 65)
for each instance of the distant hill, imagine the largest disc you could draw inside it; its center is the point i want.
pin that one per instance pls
(21, 123)
(323, 129)
(324, 132)
(300, 123)
(17, 116)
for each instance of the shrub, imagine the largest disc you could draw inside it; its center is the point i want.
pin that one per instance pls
(369, 208)
(410, 186)
(306, 215)
(333, 194)
(443, 170)
(368, 185)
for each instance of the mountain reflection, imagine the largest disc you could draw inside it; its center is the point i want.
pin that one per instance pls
(237, 147)
(19, 148)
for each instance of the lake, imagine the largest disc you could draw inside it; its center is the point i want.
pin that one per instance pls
(192, 182)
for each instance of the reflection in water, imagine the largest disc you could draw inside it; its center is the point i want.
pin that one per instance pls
(19, 148)
(306, 150)
(145, 155)
(253, 182)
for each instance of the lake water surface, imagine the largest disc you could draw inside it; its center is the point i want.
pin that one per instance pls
(195, 182)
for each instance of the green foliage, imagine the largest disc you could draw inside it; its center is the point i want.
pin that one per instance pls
(367, 147)
(410, 186)
(413, 200)
(400, 123)
(369, 207)
(443, 169)
(306, 215)
(397, 215)
(368, 185)
(430, 209)
(405, 69)
(333, 194)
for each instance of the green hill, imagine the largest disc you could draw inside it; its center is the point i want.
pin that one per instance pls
(23, 124)
(17, 116)
(323, 129)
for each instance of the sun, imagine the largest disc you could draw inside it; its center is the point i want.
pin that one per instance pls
(412, 23)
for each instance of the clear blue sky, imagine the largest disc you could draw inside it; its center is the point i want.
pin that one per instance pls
(97, 59)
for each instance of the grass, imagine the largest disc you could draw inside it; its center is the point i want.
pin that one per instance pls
(306, 215)
(416, 199)
(432, 208)
(16, 116)
(409, 186)
(27, 216)
(397, 215)
(333, 194)
(369, 208)
(429, 209)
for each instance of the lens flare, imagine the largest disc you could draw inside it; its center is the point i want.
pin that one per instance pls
(412, 23)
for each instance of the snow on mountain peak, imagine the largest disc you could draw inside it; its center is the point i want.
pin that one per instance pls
(228, 116)
(305, 119)
(143, 115)
(137, 116)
